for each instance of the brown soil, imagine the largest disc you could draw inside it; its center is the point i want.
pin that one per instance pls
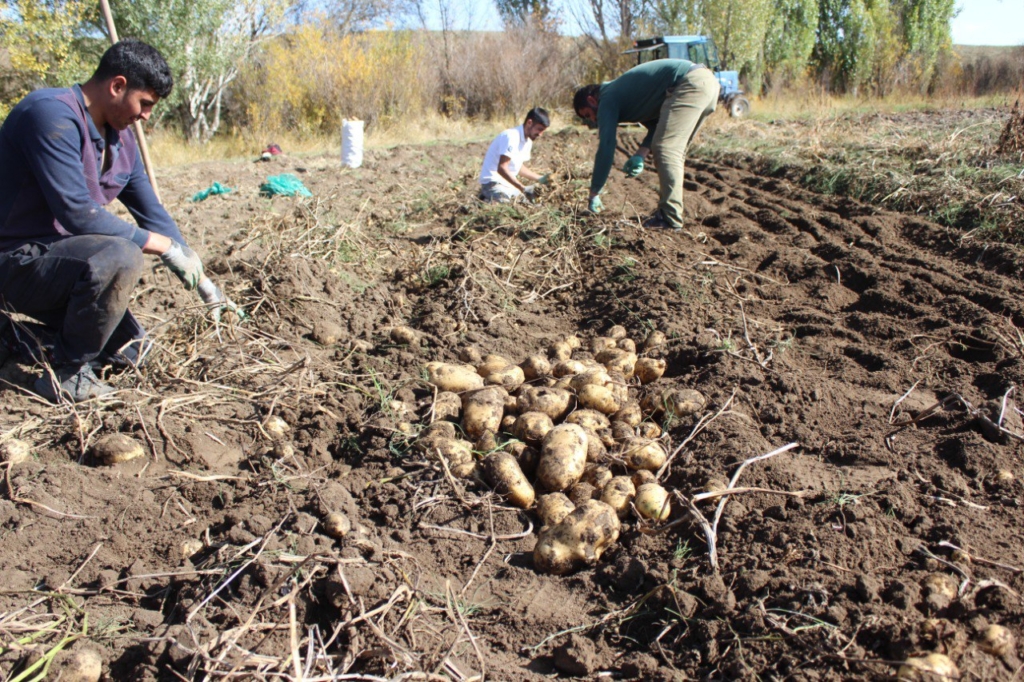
(815, 319)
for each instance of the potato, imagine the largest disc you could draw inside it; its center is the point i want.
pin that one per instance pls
(599, 398)
(532, 426)
(652, 502)
(622, 431)
(337, 525)
(655, 339)
(454, 378)
(117, 448)
(502, 472)
(578, 540)
(15, 451)
(588, 377)
(535, 366)
(528, 459)
(190, 547)
(482, 410)
(567, 368)
(597, 475)
(439, 430)
(508, 423)
(601, 343)
(560, 350)
(597, 451)
(276, 427)
(553, 402)
(607, 437)
(649, 370)
(457, 453)
(619, 387)
(510, 377)
(588, 419)
(552, 508)
(1004, 476)
(996, 640)
(627, 345)
(564, 383)
(563, 456)
(630, 413)
(573, 342)
(641, 453)
(643, 476)
(581, 492)
(487, 442)
(616, 332)
(81, 664)
(492, 363)
(930, 668)
(625, 363)
(677, 402)
(618, 494)
(405, 336)
(648, 430)
(940, 584)
(471, 355)
(447, 405)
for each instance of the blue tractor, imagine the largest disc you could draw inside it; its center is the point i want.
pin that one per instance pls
(702, 50)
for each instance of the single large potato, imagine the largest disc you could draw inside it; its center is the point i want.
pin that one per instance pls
(535, 366)
(618, 493)
(502, 471)
(447, 405)
(554, 402)
(117, 448)
(652, 502)
(649, 370)
(937, 667)
(510, 377)
(482, 410)
(597, 376)
(640, 453)
(578, 540)
(600, 398)
(563, 457)
(589, 419)
(532, 426)
(678, 402)
(457, 453)
(491, 364)
(630, 413)
(454, 378)
(552, 508)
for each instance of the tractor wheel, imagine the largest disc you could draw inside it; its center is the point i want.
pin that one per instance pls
(739, 106)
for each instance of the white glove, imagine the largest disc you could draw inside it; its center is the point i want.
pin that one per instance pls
(184, 263)
(215, 298)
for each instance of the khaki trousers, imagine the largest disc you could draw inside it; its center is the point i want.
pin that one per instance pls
(686, 106)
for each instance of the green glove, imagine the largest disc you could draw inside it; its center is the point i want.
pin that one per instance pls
(544, 179)
(595, 205)
(184, 263)
(634, 166)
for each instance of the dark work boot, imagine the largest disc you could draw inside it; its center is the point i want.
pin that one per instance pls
(78, 383)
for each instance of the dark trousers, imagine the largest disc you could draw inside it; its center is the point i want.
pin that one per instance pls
(79, 287)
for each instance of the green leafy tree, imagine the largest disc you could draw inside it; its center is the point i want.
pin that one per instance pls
(927, 34)
(789, 40)
(519, 13)
(205, 42)
(844, 52)
(739, 28)
(42, 44)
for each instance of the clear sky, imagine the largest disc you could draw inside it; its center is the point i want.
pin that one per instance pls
(989, 22)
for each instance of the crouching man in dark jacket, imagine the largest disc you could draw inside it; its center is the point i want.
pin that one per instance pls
(65, 261)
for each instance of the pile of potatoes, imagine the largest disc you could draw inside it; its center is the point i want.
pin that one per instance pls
(571, 425)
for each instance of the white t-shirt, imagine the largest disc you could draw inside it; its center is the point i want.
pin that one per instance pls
(512, 143)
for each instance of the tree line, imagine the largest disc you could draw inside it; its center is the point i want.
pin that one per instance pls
(306, 63)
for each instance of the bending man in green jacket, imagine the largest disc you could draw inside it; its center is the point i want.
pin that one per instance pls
(669, 97)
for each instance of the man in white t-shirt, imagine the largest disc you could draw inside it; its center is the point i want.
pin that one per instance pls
(506, 160)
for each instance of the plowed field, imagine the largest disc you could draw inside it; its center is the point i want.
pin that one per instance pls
(889, 352)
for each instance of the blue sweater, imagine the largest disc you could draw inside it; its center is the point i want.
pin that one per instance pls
(51, 181)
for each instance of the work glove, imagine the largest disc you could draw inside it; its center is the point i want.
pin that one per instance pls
(184, 263)
(544, 179)
(634, 166)
(596, 205)
(531, 192)
(218, 302)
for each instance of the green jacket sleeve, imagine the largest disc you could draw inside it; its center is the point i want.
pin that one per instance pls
(607, 135)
